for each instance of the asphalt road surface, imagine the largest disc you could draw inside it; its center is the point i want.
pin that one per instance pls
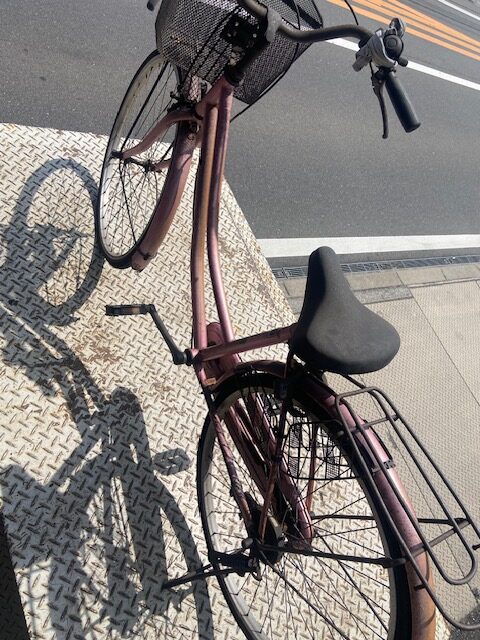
(307, 161)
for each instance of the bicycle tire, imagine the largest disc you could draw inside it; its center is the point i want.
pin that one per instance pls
(334, 604)
(128, 192)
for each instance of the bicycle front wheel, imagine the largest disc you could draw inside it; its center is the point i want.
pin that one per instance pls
(295, 594)
(129, 189)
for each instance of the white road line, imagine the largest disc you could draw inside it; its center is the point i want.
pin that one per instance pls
(461, 9)
(415, 66)
(283, 247)
(444, 76)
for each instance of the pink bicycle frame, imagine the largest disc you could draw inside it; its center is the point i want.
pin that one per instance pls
(209, 125)
(210, 120)
(215, 349)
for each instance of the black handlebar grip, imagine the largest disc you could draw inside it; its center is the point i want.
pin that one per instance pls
(401, 103)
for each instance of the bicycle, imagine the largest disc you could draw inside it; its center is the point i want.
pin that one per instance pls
(308, 527)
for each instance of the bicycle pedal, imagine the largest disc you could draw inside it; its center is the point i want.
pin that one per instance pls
(126, 309)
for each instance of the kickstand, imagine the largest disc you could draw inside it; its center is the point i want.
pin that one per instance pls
(201, 573)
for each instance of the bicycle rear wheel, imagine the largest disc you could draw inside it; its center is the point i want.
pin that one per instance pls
(130, 190)
(296, 594)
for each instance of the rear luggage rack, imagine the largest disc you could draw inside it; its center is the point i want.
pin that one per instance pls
(391, 424)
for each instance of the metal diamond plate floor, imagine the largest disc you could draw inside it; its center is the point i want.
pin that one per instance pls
(98, 429)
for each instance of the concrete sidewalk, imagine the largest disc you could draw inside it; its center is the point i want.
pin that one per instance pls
(435, 378)
(383, 285)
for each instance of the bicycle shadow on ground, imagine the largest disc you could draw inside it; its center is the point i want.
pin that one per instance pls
(110, 532)
(103, 528)
(50, 264)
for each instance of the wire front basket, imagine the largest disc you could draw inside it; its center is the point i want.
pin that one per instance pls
(192, 35)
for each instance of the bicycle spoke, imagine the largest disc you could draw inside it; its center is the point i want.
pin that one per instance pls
(122, 178)
(363, 596)
(347, 572)
(338, 601)
(161, 93)
(145, 102)
(316, 609)
(362, 546)
(301, 594)
(128, 191)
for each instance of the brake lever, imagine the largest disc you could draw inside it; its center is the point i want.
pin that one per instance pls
(378, 81)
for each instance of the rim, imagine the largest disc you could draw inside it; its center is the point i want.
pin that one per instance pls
(301, 595)
(129, 191)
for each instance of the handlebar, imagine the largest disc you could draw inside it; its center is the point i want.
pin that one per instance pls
(311, 35)
(399, 98)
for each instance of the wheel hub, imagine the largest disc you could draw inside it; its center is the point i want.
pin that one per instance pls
(274, 535)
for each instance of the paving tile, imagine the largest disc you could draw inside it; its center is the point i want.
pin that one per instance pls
(295, 287)
(421, 275)
(373, 280)
(380, 294)
(461, 272)
(282, 287)
(296, 305)
(431, 382)
(453, 310)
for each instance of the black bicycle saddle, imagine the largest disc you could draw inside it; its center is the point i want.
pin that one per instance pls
(335, 332)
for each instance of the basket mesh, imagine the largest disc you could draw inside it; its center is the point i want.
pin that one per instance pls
(310, 452)
(189, 34)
